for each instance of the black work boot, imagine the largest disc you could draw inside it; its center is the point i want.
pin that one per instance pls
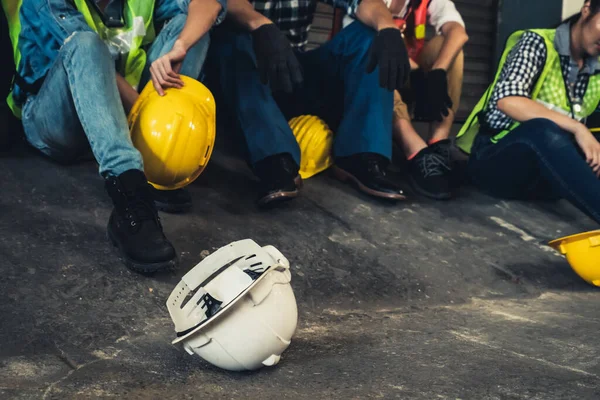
(279, 179)
(134, 226)
(367, 171)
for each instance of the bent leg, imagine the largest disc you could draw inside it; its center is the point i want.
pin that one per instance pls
(246, 99)
(537, 153)
(79, 106)
(366, 122)
(455, 73)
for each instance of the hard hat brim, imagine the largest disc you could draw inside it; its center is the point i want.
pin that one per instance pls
(555, 244)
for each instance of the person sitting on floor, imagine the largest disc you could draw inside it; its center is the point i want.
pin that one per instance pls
(527, 137)
(70, 98)
(435, 85)
(348, 82)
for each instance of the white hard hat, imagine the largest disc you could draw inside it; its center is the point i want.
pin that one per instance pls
(236, 309)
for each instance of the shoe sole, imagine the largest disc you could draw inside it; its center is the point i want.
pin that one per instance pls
(423, 192)
(346, 177)
(281, 197)
(143, 268)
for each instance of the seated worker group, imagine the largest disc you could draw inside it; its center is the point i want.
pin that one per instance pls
(525, 136)
(71, 99)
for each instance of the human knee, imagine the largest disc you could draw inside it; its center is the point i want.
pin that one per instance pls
(68, 153)
(86, 40)
(550, 133)
(361, 38)
(86, 44)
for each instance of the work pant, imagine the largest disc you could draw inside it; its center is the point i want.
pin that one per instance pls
(536, 160)
(336, 88)
(78, 106)
(427, 58)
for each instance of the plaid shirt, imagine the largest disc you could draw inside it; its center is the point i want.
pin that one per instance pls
(523, 67)
(294, 17)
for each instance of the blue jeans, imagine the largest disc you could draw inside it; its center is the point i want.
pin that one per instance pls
(336, 88)
(78, 107)
(536, 160)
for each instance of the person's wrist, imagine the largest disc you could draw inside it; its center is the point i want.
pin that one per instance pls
(182, 43)
(258, 22)
(439, 67)
(580, 129)
(387, 25)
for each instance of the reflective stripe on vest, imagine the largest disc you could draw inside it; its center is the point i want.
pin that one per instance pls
(549, 90)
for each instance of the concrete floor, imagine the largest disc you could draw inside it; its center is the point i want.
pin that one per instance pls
(415, 300)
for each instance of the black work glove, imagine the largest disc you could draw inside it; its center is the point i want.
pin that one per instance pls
(389, 52)
(276, 60)
(433, 101)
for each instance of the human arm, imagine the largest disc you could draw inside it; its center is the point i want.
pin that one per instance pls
(128, 94)
(244, 15)
(455, 37)
(373, 13)
(201, 16)
(512, 95)
(447, 21)
(56, 22)
(523, 109)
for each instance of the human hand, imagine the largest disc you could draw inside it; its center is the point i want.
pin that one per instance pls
(165, 70)
(438, 99)
(590, 147)
(277, 64)
(388, 50)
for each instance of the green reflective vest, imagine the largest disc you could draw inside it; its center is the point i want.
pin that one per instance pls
(549, 90)
(129, 41)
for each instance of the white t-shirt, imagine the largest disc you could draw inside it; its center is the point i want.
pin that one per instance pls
(439, 12)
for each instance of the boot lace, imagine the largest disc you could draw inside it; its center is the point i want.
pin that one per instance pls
(432, 164)
(138, 210)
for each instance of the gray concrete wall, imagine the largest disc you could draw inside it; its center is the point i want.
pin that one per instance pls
(521, 14)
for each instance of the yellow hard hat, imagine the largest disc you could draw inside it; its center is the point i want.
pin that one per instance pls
(583, 254)
(175, 133)
(315, 140)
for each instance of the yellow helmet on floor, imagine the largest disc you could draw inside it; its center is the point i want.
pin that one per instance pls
(175, 133)
(583, 254)
(315, 140)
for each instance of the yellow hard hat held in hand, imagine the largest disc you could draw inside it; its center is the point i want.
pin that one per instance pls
(175, 133)
(316, 141)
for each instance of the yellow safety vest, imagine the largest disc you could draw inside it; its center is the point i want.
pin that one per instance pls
(129, 41)
(549, 90)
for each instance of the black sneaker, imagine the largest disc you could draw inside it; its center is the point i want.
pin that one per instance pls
(367, 171)
(172, 201)
(279, 179)
(134, 226)
(429, 174)
(443, 148)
